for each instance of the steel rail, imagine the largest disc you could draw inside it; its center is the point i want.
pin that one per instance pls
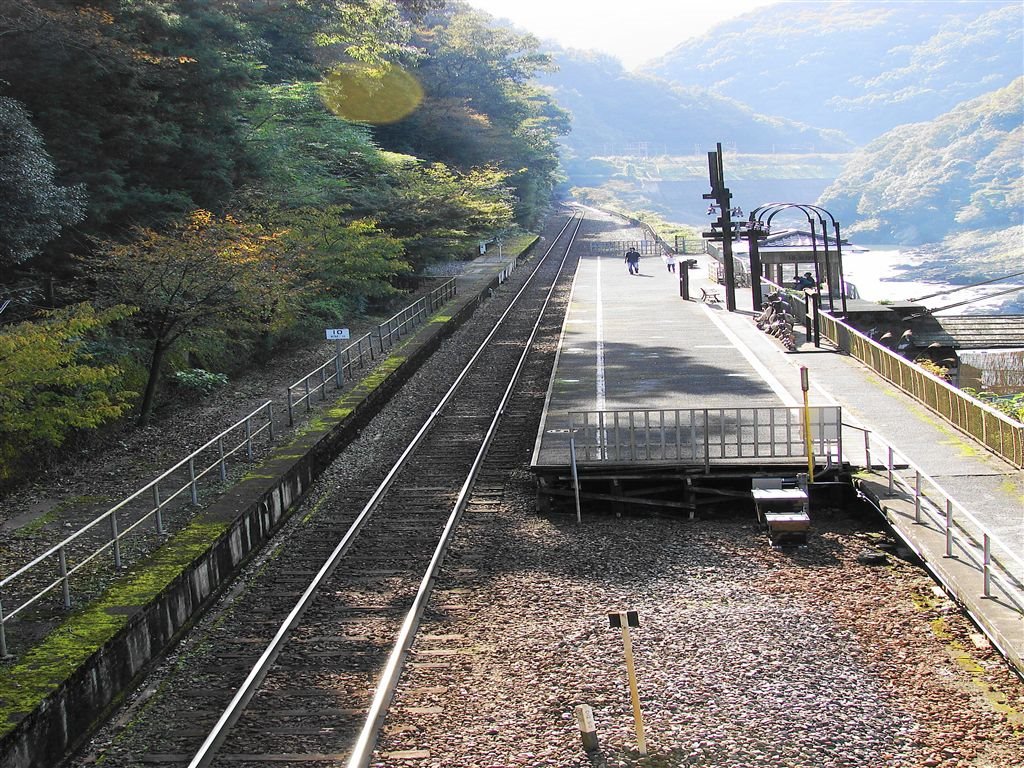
(208, 750)
(363, 750)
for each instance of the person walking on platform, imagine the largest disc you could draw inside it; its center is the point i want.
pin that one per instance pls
(670, 262)
(633, 261)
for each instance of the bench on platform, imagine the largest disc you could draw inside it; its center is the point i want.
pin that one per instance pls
(709, 297)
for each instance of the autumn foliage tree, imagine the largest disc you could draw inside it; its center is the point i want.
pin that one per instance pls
(205, 274)
(53, 384)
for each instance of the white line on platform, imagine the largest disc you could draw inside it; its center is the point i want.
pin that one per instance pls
(775, 384)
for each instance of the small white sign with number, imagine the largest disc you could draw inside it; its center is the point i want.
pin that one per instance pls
(337, 334)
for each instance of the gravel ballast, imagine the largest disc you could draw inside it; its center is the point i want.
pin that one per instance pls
(746, 655)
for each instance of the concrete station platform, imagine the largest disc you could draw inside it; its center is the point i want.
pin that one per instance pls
(631, 342)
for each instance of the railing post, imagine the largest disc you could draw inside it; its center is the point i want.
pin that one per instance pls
(891, 462)
(949, 527)
(158, 510)
(308, 398)
(193, 489)
(62, 563)
(3, 634)
(291, 413)
(270, 420)
(917, 497)
(986, 564)
(867, 448)
(248, 437)
(575, 478)
(707, 445)
(116, 537)
(338, 380)
(223, 464)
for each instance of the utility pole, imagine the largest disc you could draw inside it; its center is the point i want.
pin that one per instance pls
(721, 195)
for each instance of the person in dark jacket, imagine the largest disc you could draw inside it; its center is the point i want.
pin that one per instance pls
(633, 261)
(806, 280)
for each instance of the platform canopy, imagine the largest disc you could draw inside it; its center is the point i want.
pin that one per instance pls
(794, 247)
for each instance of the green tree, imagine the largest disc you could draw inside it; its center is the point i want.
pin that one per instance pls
(311, 158)
(135, 101)
(480, 107)
(301, 39)
(437, 211)
(351, 263)
(33, 208)
(52, 384)
(207, 274)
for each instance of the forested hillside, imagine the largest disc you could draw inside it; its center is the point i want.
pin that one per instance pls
(188, 185)
(858, 67)
(616, 112)
(924, 181)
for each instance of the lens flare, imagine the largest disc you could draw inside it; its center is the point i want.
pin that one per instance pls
(376, 95)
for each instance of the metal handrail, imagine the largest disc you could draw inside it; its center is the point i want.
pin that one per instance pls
(995, 430)
(159, 502)
(949, 514)
(673, 434)
(380, 339)
(395, 326)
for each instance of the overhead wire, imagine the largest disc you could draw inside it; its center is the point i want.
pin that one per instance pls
(963, 287)
(967, 301)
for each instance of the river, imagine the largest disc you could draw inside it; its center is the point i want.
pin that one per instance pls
(885, 273)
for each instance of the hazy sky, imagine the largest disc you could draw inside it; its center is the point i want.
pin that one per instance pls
(633, 31)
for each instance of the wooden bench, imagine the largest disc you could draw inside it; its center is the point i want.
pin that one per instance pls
(709, 297)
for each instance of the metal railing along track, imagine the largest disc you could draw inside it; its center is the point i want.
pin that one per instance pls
(71, 555)
(966, 537)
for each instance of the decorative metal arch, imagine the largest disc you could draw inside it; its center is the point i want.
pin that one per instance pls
(757, 224)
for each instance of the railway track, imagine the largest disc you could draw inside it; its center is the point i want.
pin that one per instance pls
(352, 576)
(745, 655)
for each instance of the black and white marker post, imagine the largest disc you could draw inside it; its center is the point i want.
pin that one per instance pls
(338, 335)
